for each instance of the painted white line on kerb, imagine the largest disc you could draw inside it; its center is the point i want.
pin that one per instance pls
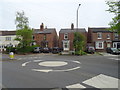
(24, 64)
(75, 86)
(102, 81)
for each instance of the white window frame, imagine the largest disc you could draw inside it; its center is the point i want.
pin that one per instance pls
(99, 33)
(108, 45)
(108, 36)
(116, 35)
(8, 38)
(97, 45)
(66, 35)
(67, 43)
(115, 44)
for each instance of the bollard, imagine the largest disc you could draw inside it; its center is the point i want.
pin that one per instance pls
(11, 55)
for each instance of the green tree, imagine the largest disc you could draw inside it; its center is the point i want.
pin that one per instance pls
(21, 20)
(79, 42)
(114, 7)
(23, 33)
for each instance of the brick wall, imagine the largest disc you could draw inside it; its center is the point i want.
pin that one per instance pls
(70, 37)
(52, 39)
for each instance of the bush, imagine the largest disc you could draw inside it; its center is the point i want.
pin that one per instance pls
(80, 52)
(27, 49)
(11, 49)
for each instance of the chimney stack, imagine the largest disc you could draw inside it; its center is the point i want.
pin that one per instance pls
(42, 27)
(72, 26)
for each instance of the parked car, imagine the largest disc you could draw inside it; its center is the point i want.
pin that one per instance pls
(55, 50)
(113, 51)
(46, 50)
(37, 50)
(60, 49)
(90, 49)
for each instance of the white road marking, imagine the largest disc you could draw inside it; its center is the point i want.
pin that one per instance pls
(76, 62)
(39, 70)
(102, 81)
(52, 63)
(37, 60)
(75, 86)
(66, 69)
(49, 70)
(115, 58)
(24, 64)
(35, 57)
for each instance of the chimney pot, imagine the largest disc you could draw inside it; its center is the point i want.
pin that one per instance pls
(42, 27)
(72, 26)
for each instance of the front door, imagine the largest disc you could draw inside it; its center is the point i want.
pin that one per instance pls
(66, 45)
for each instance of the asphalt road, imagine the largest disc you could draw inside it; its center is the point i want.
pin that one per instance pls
(55, 71)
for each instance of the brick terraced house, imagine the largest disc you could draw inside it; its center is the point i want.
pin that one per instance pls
(45, 37)
(101, 38)
(66, 37)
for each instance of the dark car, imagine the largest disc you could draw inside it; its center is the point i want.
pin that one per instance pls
(90, 49)
(55, 50)
(37, 50)
(46, 50)
(113, 51)
(60, 49)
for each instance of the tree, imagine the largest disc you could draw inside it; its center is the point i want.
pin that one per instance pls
(21, 20)
(23, 33)
(114, 7)
(79, 42)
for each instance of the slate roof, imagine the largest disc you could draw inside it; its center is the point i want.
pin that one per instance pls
(103, 30)
(5, 33)
(45, 31)
(72, 30)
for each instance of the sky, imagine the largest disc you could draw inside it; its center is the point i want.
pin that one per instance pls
(55, 13)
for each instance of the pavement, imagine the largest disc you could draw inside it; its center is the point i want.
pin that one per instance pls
(54, 71)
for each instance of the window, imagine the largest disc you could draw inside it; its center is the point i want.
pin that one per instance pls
(108, 45)
(108, 36)
(2, 46)
(66, 45)
(116, 35)
(66, 36)
(99, 45)
(44, 37)
(8, 38)
(99, 35)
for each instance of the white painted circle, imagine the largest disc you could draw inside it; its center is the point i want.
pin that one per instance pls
(53, 63)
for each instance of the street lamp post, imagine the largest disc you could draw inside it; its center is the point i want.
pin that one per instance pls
(77, 16)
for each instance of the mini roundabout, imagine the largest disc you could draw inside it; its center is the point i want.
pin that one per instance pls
(47, 66)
